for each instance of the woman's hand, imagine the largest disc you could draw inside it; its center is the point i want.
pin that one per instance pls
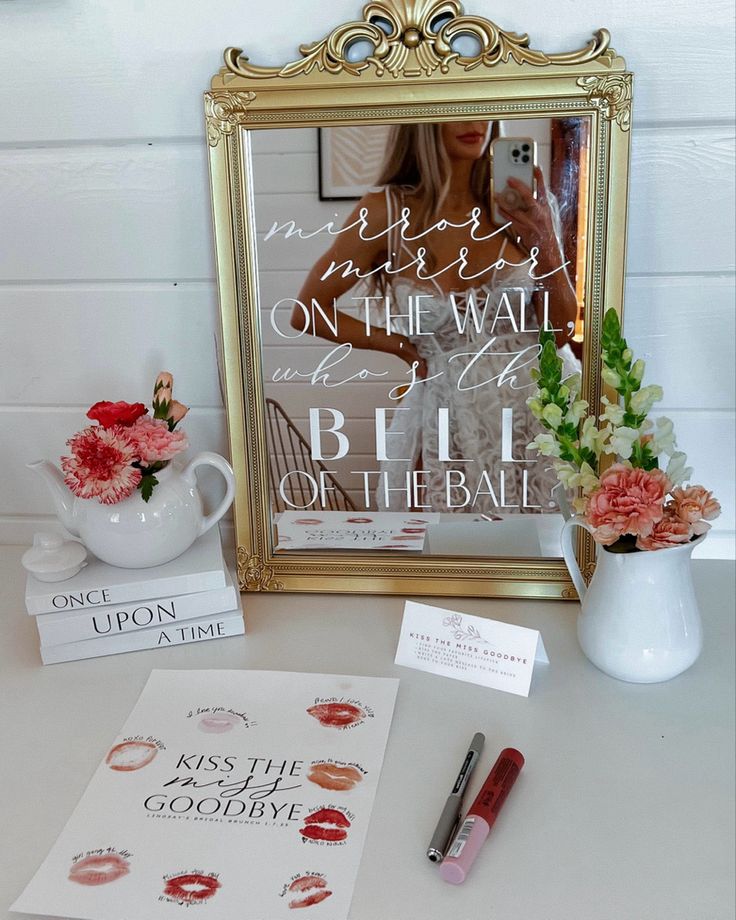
(531, 218)
(405, 349)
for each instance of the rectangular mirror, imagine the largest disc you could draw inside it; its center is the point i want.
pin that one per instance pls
(384, 269)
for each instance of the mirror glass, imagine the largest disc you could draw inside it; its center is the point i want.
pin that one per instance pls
(403, 275)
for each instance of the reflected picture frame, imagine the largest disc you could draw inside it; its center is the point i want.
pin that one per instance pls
(345, 171)
(418, 60)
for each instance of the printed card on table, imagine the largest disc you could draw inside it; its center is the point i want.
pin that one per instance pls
(353, 530)
(474, 649)
(246, 794)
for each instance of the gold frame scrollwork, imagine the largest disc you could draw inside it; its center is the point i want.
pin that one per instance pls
(412, 47)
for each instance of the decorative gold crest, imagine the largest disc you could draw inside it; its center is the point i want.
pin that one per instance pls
(413, 38)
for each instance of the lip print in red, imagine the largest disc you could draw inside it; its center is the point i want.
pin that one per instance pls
(325, 824)
(311, 889)
(336, 715)
(191, 888)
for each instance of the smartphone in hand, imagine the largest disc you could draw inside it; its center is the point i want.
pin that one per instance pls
(511, 157)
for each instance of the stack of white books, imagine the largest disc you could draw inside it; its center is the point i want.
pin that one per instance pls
(105, 610)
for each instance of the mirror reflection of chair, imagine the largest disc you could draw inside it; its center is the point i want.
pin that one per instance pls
(290, 451)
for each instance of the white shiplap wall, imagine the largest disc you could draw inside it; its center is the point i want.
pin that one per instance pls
(106, 268)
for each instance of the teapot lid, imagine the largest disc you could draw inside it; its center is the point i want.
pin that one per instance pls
(51, 558)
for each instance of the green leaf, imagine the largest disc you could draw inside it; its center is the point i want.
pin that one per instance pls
(546, 335)
(146, 486)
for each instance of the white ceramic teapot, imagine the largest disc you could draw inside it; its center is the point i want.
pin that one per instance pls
(137, 534)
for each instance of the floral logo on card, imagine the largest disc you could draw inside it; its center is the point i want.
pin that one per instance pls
(460, 632)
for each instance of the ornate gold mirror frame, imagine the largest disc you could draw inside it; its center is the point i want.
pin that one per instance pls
(415, 72)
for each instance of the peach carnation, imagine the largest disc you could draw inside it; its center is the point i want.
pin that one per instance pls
(153, 441)
(628, 500)
(100, 465)
(670, 531)
(695, 506)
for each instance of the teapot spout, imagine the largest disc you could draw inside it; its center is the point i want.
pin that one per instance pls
(63, 498)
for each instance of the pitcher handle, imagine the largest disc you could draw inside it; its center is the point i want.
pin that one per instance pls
(568, 552)
(208, 458)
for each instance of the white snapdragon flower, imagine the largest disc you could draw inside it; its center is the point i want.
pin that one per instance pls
(593, 439)
(622, 442)
(676, 471)
(643, 400)
(576, 411)
(545, 444)
(535, 406)
(637, 371)
(573, 383)
(663, 440)
(611, 377)
(567, 474)
(552, 414)
(573, 478)
(613, 413)
(588, 479)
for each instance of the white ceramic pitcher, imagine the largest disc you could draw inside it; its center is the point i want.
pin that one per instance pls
(639, 618)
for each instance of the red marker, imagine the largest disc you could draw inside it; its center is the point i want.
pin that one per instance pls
(481, 817)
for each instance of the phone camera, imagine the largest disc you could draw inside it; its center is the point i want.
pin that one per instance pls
(525, 158)
(514, 153)
(525, 148)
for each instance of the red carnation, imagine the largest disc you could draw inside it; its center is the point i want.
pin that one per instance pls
(109, 414)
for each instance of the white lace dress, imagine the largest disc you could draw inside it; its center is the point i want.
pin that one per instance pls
(503, 326)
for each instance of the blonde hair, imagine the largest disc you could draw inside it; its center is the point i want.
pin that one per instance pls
(416, 161)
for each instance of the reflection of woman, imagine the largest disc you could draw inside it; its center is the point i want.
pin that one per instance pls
(490, 302)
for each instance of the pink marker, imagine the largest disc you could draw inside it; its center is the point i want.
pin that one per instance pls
(481, 817)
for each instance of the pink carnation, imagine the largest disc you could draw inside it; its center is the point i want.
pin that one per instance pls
(628, 500)
(100, 465)
(670, 531)
(695, 506)
(153, 441)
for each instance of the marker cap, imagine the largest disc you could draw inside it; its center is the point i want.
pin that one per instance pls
(463, 850)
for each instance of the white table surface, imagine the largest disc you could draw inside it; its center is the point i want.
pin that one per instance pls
(624, 810)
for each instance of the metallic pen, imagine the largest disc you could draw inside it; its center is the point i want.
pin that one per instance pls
(450, 817)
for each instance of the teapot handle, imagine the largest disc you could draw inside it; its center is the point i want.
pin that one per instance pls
(568, 552)
(208, 458)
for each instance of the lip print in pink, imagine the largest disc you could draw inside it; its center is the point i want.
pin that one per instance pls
(99, 869)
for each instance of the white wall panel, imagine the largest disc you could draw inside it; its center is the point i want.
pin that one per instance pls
(77, 344)
(121, 69)
(683, 327)
(132, 212)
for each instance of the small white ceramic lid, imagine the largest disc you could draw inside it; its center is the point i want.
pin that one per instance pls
(51, 558)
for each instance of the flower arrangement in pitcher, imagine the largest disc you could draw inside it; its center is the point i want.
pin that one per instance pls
(127, 447)
(633, 504)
